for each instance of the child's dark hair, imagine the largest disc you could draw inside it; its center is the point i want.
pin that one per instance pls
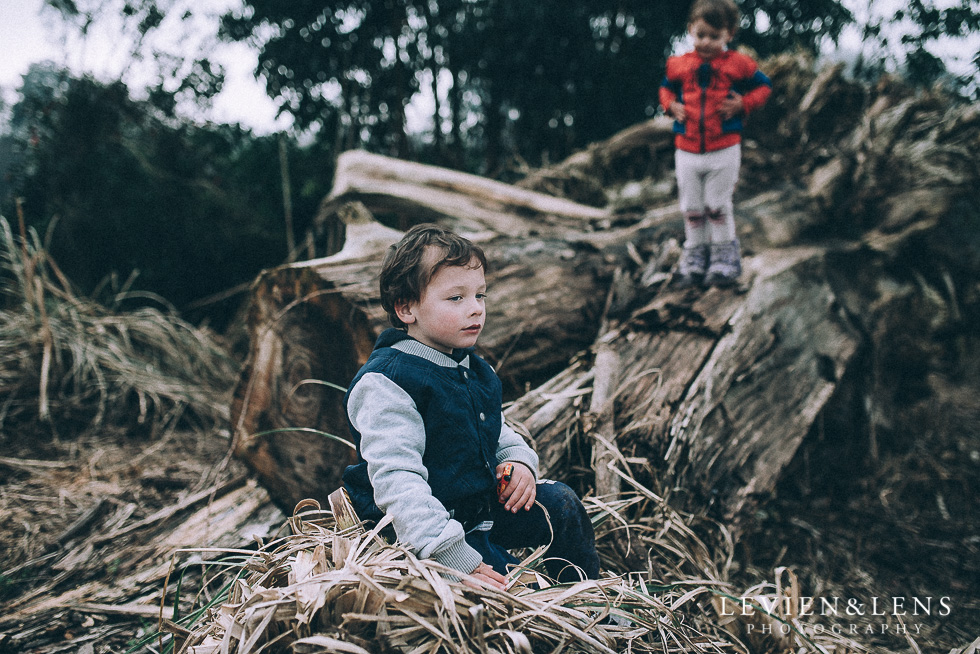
(404, 275)
(720, 14)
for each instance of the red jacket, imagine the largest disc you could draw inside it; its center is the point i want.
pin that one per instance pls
(701, 86)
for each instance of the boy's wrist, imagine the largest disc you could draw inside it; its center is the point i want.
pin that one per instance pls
(459, 555)
(515, 457)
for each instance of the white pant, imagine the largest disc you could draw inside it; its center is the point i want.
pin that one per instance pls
(705, 185)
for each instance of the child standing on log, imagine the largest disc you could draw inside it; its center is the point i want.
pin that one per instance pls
(708, 91)
(425, 414)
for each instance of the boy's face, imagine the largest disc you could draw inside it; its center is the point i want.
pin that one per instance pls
(709, 42)
(452, 310)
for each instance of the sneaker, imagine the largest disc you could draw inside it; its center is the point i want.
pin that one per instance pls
(691, 267)
(726, 264)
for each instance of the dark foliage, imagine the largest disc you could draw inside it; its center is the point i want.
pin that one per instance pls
(773, 26)
(116, 191)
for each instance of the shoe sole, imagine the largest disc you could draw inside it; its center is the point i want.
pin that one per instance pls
(687, 282)
(721, 282)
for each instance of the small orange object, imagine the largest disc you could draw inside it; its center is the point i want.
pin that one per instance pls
(504, 478)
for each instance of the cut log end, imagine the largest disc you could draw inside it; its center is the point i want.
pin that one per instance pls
(308, 342)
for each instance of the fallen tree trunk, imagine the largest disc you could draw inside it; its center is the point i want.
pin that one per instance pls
(403, 193)
(668, 369)
(661, 347)
(734, 415)
(644, 150)
(673, 371)
(716, 390)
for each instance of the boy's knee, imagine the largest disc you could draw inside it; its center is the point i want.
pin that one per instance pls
(573, 540)
(558, 498)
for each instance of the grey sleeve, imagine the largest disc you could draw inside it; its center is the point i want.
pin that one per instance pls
(392, 443)
(511, 447)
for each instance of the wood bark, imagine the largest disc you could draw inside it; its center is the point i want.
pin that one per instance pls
(642, 150)
(664, 388)
(682, 381)
(716, 390)
(403, 193)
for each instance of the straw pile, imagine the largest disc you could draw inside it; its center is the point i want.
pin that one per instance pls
(67, 360)
(329, 587)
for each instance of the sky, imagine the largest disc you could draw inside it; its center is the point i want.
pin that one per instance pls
(28, 35)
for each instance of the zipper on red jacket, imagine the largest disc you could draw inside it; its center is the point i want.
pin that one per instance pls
(702, 126)
(704, 81)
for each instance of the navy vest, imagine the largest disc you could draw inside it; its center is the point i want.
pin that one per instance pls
(460, 408)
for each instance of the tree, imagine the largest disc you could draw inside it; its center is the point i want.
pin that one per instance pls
(502, 82)
(166, 41)
(543, 77)
(347, 68)
(930, 25)
(117, 190)
(553, 78)
(773, 26)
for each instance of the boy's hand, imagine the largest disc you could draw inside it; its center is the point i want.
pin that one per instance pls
(521, 490)
(677, 111)
(731, 106)
(484, 575)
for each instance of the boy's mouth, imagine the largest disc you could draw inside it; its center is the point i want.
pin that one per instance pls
(473, 328)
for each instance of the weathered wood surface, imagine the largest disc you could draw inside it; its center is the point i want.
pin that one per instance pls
(405, 193)
(715, 390)
(660, 347)
(751, 394)
(644, 150)
(141, 556)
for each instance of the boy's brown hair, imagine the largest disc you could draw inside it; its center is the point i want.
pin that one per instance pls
(720, 14)
(404, 273)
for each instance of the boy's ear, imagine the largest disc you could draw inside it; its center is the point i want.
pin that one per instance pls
(404, 312)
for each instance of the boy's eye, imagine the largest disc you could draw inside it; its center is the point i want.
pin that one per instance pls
(456, 298)
(481, 296)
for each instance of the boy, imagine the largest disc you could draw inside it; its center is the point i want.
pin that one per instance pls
(425, 414)
(708, 91)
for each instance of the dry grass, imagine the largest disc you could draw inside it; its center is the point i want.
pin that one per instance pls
(120, 392)
(323, 589)
(67, 360)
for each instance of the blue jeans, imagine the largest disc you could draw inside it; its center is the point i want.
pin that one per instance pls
(572, 550)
